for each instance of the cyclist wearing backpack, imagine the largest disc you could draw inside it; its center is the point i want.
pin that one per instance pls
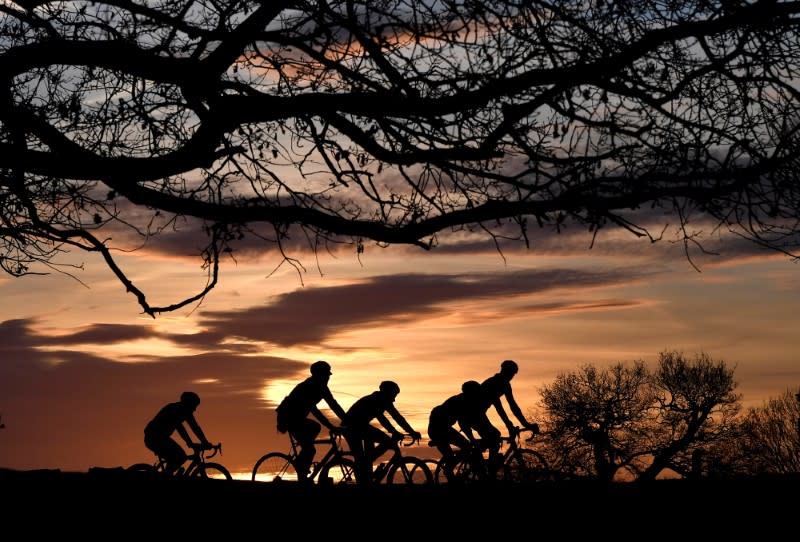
(171, 418)
(368, 442)
(294, 410)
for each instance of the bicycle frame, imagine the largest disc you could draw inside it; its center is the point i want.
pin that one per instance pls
(335, 449)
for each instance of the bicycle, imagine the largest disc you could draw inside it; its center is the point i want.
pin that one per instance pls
(402, 469)
(516, 463)
(335, 467)
(198, 465)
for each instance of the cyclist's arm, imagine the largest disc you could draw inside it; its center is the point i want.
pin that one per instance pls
(333, 404)
(466, 428)
(184, 434)
(192, 422)
(402, 422)
(384, 421)
(498, 406)
(512, 404)
(322, 419)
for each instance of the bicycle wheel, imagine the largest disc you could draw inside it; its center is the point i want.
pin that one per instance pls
(435, 466)
(525, 466)
(461, 467)
(141, 467)
(274, 467)
(410, 470)
(212, 470)
(339, 470)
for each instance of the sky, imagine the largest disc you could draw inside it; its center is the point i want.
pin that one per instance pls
(82, 370)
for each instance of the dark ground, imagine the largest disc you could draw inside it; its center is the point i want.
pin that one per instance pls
(114, 505)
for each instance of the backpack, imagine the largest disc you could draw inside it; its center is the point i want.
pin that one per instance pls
(281, 418)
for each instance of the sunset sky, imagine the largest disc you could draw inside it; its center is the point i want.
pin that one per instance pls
(83, 370)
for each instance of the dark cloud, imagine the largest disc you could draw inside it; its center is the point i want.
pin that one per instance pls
(311, 315)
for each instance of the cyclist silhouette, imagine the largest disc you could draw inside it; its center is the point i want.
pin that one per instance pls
(294, 410)
(158, 431)
(366, 441)
(464, 409)
(493, 389)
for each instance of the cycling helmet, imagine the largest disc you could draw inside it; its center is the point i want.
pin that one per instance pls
(320, 368)
(389, 387)
(190, 398)
(470, 386)
(509, 366)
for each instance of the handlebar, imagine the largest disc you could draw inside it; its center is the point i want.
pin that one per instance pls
(403, 437)
(514, 435)
(215, 449)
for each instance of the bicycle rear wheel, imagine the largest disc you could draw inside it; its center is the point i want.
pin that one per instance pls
(274, 467)
(143, 468)
(526, 466)
(212, 470)
(340, 470)
(410, 470)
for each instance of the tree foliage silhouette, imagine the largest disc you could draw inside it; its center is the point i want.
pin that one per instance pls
(627, 421)
(390, 121)
(767, 441)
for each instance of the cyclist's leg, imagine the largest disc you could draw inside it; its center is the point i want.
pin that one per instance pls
(305, 431)
(490, 437)
(457, 439)
(168, 450)
(355, 441)
(379, 442)
(438, 432)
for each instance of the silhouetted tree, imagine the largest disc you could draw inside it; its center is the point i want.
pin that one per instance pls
(628, 422)
(768, 442)
(390, 121)
(697, 406)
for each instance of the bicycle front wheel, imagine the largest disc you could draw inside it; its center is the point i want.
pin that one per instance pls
(212, 470)
(340, 470)
(410, 470)
(437, 472)
(274, 467)
(461, 467)
(525, 466)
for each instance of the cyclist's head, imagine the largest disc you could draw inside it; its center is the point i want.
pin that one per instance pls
(389, 388)
(190, 399)
(509, 367)
(321, 368)
(471, 387)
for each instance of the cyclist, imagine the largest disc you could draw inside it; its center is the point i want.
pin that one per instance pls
(293, 414)
(493, 389)
(171, 418)
(368, 442)
(463, 409)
